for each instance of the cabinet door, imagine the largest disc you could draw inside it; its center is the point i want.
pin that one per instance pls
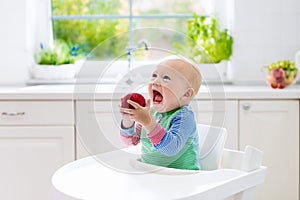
(273, 127)
(29, 157)
(97, 127)
(220, 113)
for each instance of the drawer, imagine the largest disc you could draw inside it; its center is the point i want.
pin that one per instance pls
(36, 113)
(99, 106)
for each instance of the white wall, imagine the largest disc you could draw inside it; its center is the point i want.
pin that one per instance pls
(24, 24)
(12, 46)
(264, 31)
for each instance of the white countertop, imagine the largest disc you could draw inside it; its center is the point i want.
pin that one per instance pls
(111, 92)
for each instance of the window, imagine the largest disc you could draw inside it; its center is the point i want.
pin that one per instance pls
(103, 27)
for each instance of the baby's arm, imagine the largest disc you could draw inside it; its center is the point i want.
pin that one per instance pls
(126, 134)
(170, 142)
(130, 136)
(129, 132)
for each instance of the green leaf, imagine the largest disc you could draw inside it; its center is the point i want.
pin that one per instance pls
(56, 54)
(206, 42)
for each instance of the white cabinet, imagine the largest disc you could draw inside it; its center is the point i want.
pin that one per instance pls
(273, 127)
(36, 138)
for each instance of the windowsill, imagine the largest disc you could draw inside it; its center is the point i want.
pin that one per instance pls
(71, 81)
(104, 72)
(108, 72)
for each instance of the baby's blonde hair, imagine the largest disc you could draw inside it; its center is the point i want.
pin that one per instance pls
(188, 70)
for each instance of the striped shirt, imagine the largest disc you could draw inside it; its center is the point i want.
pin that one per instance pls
(173, 142)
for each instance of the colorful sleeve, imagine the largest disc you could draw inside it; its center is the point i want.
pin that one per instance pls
(172, 141)
(130, 136)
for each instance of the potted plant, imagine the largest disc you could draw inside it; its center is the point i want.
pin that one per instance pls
(207, 43)
(56, 61)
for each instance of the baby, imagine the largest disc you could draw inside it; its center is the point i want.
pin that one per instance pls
(167, 130)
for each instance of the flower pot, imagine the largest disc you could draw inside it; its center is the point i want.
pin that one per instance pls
(213, 72)
(50, 72)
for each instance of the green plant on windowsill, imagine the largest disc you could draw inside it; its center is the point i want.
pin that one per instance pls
(206, 42)
(57, 54)
(56, 61)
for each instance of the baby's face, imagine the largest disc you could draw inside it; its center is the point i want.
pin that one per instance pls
(168, 87)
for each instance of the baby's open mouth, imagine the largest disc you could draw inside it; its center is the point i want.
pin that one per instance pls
(157, 96)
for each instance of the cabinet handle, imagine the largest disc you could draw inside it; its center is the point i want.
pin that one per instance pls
(12, 114)
(246, 106)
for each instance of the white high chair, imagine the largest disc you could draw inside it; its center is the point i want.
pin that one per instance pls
(226, 174)
(211, 144)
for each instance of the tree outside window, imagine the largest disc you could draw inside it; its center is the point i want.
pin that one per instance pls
(88, 23)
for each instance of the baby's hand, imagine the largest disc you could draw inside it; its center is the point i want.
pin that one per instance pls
(139, 113)
(126, 121)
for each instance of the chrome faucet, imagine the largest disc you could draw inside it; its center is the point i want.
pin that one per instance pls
(130, 54)
(130, 51)
(143, 42)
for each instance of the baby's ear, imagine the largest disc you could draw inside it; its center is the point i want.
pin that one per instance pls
(189, 93)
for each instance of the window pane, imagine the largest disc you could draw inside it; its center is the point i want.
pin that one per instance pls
(162, 34)
(88, 34)
(89, 7)
(168, 6)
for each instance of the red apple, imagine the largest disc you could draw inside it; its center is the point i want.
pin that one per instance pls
(136, 97)
(273, 85)
(278, 75)
(281, 86)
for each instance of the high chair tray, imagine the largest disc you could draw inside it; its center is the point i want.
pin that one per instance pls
(119, 175)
